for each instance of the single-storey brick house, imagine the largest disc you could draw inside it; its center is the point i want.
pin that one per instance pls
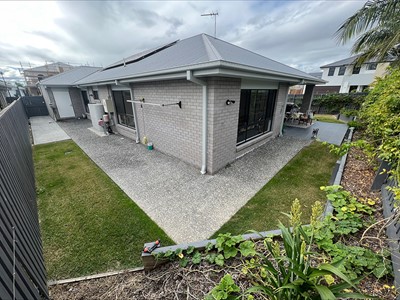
(231, 100)
(63, 98)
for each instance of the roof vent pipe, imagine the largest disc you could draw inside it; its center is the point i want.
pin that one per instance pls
(190, 77)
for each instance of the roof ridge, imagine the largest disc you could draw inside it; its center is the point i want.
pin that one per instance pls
(98, 70)
(211, 50)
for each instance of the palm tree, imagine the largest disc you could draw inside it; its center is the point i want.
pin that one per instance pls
(377, 29)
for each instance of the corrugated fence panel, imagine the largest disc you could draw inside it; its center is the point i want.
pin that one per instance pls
(22, 271)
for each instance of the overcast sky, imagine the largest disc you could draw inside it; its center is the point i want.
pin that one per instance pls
(297, 33)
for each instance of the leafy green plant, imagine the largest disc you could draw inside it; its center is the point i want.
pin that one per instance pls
(355, 124)
(333, 103)
(287, 272)
(226, 244)
(380, 115)
(348, 112)
(226, 289)
(348, 219)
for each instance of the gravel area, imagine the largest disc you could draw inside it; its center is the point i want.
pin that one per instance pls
(187, 205)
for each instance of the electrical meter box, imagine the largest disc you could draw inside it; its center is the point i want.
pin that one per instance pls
(108, 105)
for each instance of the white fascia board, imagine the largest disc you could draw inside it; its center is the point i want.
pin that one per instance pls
(242, 74)
(97, 83)
(230, 65)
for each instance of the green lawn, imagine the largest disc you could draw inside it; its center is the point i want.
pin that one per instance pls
(300, 178)
(328, 119)
(88, 224)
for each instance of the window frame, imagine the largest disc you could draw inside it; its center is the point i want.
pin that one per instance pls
(356, 70)
(256, 113)
(342, 70)
(124, 109)
(331, 71)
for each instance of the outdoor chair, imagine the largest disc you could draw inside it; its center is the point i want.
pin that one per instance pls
(305, 119)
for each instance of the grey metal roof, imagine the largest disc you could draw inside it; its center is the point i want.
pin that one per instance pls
(316, 74)
(343, 62)
(196, 51)
(351, 61)
(69, 77)
(138, 56)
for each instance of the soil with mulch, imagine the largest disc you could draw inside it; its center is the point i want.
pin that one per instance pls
(195, 281)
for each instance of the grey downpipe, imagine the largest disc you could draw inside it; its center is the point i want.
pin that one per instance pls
(190, 77)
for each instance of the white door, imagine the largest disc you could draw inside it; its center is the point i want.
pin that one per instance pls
(64, 105)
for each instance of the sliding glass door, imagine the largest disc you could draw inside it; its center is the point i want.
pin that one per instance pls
(255, 113)
(124, 108)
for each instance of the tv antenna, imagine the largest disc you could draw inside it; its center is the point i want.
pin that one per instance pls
(213, 14)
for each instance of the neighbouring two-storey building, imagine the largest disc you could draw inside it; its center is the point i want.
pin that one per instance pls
(344, 76)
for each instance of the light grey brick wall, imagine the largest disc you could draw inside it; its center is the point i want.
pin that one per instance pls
(77, 102)
(222, 121)
(172, 130)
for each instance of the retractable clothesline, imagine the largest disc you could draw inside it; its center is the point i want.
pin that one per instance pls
(155, 104)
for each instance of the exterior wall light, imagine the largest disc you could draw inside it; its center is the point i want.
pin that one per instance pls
(229, 102)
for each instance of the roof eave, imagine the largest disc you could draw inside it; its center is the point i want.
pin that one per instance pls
(214, 68)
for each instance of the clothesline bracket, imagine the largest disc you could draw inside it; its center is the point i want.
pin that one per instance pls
(142, 102)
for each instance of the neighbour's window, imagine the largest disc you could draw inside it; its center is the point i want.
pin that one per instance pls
(331, 71)
(123, 108)
(342, 70)
(372, 66)
(95, 95)
(365, 88)
(353, 89)
(356, 70)
(255, 113)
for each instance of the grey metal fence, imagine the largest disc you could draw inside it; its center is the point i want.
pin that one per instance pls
(34, 106)
(22, 271)
(391, 212)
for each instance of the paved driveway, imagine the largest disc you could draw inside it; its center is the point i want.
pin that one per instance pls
(187, 205)
(46, 130)
(328, 132)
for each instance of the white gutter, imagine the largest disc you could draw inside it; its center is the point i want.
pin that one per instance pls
(190, 77)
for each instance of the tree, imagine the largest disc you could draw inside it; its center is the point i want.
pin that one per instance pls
(377, 29)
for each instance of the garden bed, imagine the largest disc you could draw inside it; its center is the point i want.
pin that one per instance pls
(172, 281)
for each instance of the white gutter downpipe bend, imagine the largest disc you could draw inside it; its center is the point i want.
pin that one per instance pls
(190, 77)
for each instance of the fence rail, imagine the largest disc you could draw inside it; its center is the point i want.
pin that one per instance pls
(22, 271)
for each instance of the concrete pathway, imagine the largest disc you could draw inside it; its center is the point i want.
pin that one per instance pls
(328, 132)
(187, 205)
(46, 130)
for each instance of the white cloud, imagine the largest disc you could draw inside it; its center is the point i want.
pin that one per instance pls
(298, 33)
